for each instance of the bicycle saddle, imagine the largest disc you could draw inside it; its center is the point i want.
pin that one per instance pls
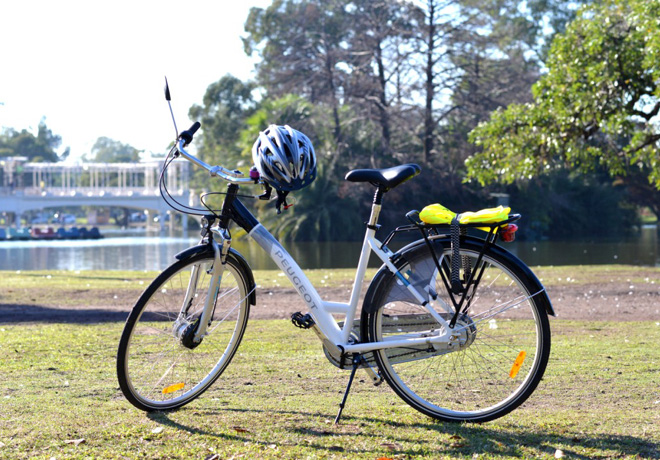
(387, 178)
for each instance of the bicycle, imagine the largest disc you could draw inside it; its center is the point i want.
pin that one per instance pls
(455, 324)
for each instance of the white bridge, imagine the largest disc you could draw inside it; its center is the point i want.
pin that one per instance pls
(35, 186)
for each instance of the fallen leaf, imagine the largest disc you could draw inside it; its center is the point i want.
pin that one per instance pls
(458, 441)
(238, 429)
(75, 442)
(391, 446)
(158, 429)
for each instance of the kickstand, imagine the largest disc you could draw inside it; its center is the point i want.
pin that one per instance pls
(357, 359)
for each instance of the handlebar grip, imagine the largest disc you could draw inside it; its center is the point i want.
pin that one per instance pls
(187, 136)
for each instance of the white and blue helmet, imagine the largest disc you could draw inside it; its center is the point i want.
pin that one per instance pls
(285, 158)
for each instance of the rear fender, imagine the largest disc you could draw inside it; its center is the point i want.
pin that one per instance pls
(440, 242)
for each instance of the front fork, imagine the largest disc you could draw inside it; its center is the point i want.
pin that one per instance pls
(192, 333)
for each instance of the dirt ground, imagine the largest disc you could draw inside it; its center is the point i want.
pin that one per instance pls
(614, 299)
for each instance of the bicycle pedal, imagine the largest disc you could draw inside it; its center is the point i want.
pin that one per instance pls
(302, 321)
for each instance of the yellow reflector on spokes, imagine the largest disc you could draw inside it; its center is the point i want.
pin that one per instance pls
(517, 364)
(173, 388)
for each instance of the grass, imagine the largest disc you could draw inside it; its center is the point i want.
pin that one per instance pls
(59, 397)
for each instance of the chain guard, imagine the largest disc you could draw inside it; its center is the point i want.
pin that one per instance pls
(412, 323)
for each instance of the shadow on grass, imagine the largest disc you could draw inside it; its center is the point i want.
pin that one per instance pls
(464, 439)
(164, 419)
(16, 314)
(82, 276)
(483, 439)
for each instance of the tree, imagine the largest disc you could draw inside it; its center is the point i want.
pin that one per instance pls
(378, 83)
(41, 147)
(227, 104)
(378, 48)
(491, 66)
(596, 107)
(432, 48)
(106, 150)
(300, 43)
(347, 55)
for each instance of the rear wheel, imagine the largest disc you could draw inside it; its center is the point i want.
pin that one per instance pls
(159, 366)
(502, 340)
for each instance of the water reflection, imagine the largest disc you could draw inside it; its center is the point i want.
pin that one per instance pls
(156, 253)
(119, 253)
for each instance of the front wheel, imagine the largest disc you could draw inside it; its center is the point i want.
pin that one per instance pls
(502, 340)
(159, 366)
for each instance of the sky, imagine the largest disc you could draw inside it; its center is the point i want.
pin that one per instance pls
(97, 68)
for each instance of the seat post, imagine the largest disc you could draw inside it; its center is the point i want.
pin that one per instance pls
(375, 209)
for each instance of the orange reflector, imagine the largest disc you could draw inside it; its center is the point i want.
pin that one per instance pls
(517, 364)
(173, 388)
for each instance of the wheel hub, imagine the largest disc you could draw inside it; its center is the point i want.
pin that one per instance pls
(185, 332)
(465, 331)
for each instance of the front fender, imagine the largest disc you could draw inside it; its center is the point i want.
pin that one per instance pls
(236, 257)
(194, 250)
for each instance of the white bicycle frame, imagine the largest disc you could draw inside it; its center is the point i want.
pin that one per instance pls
(322, 311)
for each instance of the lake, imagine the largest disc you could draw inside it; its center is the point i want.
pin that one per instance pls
(121, 251)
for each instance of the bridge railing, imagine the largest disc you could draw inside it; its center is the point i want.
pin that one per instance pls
(90, 179)
(92, 191)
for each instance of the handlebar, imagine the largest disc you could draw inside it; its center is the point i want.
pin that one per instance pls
(186, 137)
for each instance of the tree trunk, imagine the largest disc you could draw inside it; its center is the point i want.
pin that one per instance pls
(429, 123)
(333, 96)
(382, 101)
(641, 191)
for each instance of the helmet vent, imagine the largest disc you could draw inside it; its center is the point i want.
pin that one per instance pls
(285, 158)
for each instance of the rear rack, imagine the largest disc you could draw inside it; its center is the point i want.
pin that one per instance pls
(459, 291)
(431, 229)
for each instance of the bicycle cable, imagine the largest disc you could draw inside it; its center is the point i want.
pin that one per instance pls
(167, 196)
(172, 202)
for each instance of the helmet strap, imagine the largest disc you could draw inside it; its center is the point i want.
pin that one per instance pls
(268, 191)
(281, 200)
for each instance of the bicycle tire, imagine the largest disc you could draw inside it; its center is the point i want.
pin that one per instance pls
(478, 381)
(156, 371)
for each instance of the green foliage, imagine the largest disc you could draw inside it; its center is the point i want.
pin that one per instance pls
(226, 105)
(595, 108)
(106, 150)
(41, 147)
